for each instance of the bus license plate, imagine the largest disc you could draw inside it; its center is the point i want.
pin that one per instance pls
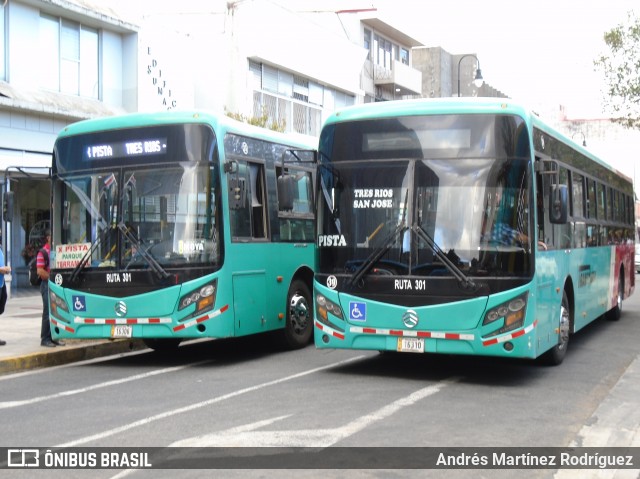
(121, 331)
(411, 345)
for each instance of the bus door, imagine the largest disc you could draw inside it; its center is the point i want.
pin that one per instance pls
(552, 255)
(247, 256)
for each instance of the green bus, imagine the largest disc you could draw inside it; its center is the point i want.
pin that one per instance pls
(465, 226)
(179, 225)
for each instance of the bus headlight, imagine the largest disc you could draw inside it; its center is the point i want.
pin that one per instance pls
(55, 303)
(324, 306)
(512, 312)
(204, 298)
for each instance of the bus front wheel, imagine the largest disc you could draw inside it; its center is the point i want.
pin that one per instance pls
(299, 323)
(556, 354)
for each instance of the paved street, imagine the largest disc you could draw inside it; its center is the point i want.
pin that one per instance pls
(244, 392)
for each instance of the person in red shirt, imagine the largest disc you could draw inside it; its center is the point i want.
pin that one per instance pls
(42, 265)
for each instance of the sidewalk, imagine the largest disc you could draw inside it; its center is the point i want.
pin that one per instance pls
(20, 328)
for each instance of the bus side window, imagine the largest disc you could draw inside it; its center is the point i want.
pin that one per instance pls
(295, 205)
(545, 228)
(248, 208)
(238, 211)
(562, 233)
(258, 201)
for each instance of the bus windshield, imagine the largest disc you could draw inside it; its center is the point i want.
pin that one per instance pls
(140, 217)
(448, 207)
(137, 199)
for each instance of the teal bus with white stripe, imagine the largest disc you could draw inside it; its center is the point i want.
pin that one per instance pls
(175, 225)
(465, 226)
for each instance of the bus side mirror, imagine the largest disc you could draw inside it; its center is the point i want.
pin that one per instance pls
(559, 204)
(286, 185)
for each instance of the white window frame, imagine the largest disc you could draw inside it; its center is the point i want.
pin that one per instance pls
(294, 100)
(69, 57)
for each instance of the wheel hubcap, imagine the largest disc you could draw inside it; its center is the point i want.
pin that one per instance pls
(299, 313)
(564, 328)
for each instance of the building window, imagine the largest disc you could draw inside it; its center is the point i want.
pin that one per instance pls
(292, 101)
(69, 57)
(384, 52)
(367, 42)
(404, 55)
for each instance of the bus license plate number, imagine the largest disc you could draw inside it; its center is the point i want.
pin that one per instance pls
(411, 345)
(121, 331)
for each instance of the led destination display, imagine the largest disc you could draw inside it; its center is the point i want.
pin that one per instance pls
(150, 146)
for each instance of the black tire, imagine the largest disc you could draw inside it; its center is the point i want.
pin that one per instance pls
(298, 329)
(556, 355)
(162, 346)
(615, 313)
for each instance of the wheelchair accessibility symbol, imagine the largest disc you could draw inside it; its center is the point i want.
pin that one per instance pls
(79, 303)
(357, 311)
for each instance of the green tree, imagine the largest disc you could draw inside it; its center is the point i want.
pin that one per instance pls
(621, 69)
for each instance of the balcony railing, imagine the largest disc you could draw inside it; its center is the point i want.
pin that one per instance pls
(401, 77)
(294, 115)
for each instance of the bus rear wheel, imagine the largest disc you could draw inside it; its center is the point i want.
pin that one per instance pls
(556, 355)
(614, 314)
(298, 328)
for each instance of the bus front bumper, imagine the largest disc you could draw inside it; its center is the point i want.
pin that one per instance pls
(517, 343)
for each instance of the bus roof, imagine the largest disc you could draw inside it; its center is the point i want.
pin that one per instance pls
(427, 106)
(455, 105)
(219, 121)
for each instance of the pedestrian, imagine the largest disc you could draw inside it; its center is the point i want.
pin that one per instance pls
(3, 289)
(42, 264)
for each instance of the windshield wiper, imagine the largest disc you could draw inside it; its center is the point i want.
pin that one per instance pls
(459, 275)
(153, 264)
(88, 255)
(377, 254)
(382, 250)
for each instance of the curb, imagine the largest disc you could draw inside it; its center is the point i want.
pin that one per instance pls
(68, 354)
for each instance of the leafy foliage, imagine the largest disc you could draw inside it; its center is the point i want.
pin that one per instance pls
(621, 69)
(262, 121)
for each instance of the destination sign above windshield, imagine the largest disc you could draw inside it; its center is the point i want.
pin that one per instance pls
(150, 146)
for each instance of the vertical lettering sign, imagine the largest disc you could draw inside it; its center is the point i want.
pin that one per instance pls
(159, 83)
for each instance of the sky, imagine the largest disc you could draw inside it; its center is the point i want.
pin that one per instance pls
(541, 52)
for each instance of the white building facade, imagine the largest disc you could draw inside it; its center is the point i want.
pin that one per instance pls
(62, 61)
(261, 57)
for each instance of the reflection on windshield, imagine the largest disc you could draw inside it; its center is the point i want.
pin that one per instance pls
(140, 219)
(475, 210)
